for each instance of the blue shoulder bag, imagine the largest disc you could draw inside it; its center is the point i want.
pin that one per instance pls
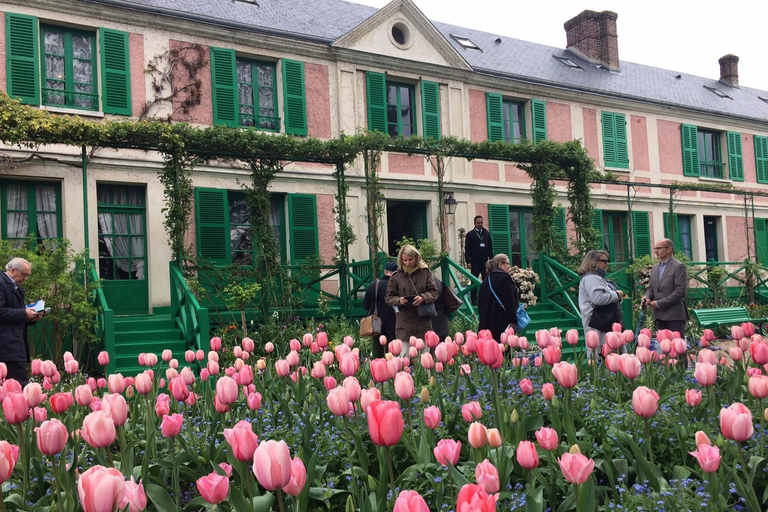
(522, 316)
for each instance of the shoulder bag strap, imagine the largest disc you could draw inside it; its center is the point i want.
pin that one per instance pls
(376, 299)
(494, 293)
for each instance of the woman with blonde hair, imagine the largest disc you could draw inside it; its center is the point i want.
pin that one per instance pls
(595, 290)
(498, 298)
(409, 287)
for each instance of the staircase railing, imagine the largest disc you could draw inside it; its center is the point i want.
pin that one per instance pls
(190, 318)
(558, 286)
(455, 276)
(105, 317)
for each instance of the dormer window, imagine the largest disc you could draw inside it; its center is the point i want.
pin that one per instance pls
(565, 61)
(717, 92)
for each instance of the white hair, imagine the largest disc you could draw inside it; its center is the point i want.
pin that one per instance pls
(18, 264)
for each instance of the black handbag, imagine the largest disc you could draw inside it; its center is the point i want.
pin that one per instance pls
(603, 317)
(425, 310)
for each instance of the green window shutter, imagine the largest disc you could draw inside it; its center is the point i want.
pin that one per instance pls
(610, 156)
(212, 217)
(641, 231)
(622, 147)
(295, 98)
(430, 106)
(735, 159)
(376, 97)
(761, 241)
(115, 72)
(302, 212)
(539, 120)
(597, 225)
(498, 227)
(561, 232)
(494, 110)
(690, 140)
(761, 158)
(672, 230)
(22, 58)
(224, 85)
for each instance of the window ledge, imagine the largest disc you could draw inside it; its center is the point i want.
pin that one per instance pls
(618, 169)
(715, 180)
(73, 111)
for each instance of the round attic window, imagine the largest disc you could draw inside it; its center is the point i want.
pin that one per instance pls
(400, 35)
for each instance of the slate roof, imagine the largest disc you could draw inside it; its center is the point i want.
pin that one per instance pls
(327, 20)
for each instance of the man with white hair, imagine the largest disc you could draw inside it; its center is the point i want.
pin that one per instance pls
(14, 318)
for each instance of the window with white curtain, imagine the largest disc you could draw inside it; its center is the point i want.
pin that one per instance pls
(122, 237)
(31, 208)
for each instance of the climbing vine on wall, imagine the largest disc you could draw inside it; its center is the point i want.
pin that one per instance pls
(174, 79)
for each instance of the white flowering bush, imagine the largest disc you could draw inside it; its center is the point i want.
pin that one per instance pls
(526, 280)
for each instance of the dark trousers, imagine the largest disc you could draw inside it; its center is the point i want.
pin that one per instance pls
(672, 325)
(19, 371)
(477, 270)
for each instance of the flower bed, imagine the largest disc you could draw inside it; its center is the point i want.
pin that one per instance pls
(479, 425)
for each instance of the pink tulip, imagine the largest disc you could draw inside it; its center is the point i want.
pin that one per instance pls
(494, 437)
(272, 464)
(572, 337)
(473, 498)
(162, 405)
(576, 467)
(612, 363)
(593, 340)
(612, 340)
(103, 358)
(630, 365)
(213, 487)
(243, 440)
(645, 401)
(708, 457)
(352, 387)
(705, 373)
(552, 354)
(527, 456)
(547, 438)
(707, 356)
(432, 417)
(40, 413)
(447, 451)
(9, 454)
(15, 407)
(566, 374)
(33, 393)
(338, 401)
(526, 386)
(644, 355)
(51, 437)
(410, 501)
(487, 477)
(329, 383)
(758, 386)
(226, 390)
(548, 391)
(367, 396)
(134, 498)
(116, 383)
(116, 407)
(471, 412)
(543, 338)
(254, 401)
(71, 366)
(298, 472)
(385, 422)
(282, 368)
(759, 351)
(748, 328)
(150, 359)
(736, 353)
(693, 397)
(643, 340)
(489, 352)
(477, 435)
(736, 422)
(101, 489)
(404, 386)
(171, 425)
(737, 332)
(379, 370)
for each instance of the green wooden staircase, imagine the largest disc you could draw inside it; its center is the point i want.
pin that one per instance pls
(545, 315)
(153, 333)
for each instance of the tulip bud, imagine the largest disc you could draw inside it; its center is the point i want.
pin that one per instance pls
(350, 507)
(593, 404)
(424, 395)
(574, 450)
(720, 441)
(765, 414)
(555, 402)
(514, 417)
(432, 381)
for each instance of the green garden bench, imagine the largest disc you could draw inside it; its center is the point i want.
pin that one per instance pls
(724, 317)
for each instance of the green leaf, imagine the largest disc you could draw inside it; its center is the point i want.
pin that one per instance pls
(535, 502)
(361, 452)
(425, 455)
(238, 501)
(533, 423)
(196, 504)
(754, 464)
(160, 498)
(263, 503)
(680, 472)
(587, 496)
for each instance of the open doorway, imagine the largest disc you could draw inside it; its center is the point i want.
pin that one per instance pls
(405, 218)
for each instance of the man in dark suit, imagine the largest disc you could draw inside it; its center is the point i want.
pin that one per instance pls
(374, 296)
(477, 251)
(14, 318)
(668, 289)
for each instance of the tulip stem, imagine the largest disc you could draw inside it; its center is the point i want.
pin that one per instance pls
(349, 456)
(248, 475)
(761, 413)
(279, 500)
(175, 476)
(648, 440)
(391, 474)
(56, 479)
(25, 462)
(2, 501)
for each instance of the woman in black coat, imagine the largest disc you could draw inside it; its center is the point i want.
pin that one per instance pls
(498, 311)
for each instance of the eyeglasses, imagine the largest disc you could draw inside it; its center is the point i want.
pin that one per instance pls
(25, 274)
(604, 261)
(660, 248)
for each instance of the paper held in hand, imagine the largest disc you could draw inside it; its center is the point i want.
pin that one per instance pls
(37, 307)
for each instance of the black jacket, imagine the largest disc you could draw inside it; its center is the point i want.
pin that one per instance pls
(492, 315)
(385, 311)
(13, 322)
(475, 254)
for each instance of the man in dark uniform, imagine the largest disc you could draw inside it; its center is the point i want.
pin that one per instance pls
(375, 295)
(477, 251)
(14, 318)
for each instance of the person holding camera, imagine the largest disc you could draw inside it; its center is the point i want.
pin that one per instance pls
(15, 316)
(409, 287)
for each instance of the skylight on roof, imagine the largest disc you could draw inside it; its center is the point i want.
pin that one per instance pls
(764, 99)
(565, 61)
(717, 92)
(465, 42)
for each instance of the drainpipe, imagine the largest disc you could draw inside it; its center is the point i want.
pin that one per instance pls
(85, 203)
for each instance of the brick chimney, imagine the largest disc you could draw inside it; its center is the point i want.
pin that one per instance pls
(592, 36)
(729, 70)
